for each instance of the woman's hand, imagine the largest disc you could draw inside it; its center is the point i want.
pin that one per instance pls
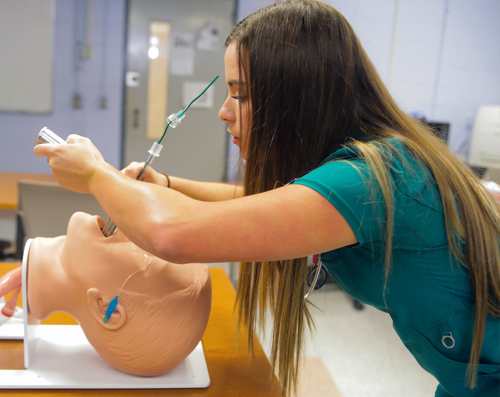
(151, 176)
(74, 164)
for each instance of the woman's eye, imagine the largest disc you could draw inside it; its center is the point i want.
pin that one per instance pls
(240, 98)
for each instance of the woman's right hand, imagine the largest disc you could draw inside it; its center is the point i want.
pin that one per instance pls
(151, 176)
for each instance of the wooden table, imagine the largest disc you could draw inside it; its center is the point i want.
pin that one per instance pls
(232, 372)
(8, 186)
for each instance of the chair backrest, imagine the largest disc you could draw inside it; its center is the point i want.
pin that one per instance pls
(493, 174)
(45, 208)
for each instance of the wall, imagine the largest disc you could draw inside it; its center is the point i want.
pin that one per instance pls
(26, 32)
(440, 58)
(100, 75)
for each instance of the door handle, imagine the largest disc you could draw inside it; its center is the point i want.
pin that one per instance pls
(136, 118)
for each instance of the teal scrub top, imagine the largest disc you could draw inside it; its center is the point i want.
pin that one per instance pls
(428, 294)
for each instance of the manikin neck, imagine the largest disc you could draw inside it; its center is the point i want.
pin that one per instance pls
(49, 289)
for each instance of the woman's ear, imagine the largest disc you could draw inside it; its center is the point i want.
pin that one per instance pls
(98, 306)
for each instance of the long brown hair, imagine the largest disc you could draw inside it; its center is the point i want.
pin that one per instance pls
(312, 91)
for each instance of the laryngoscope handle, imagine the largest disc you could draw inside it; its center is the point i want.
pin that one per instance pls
(47, 136)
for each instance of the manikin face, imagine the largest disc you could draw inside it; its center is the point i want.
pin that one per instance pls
(105, 262)
(168, 303)
(237, 103)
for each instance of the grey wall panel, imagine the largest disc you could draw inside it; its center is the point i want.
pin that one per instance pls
(26, 36)
(196, 149)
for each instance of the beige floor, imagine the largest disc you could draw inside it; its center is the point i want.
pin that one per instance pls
(357, 354)
(315, 381)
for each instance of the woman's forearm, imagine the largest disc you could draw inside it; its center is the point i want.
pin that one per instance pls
(148, 214)
(274, 225)
(202, 191)
(206, 191)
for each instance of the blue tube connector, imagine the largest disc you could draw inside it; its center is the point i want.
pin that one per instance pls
(111, 308)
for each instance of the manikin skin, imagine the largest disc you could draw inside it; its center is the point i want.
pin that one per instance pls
(162, 311)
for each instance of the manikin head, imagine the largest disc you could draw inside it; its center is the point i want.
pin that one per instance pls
(162, 310)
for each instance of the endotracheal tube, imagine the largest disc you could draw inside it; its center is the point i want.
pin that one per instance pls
(172, 121)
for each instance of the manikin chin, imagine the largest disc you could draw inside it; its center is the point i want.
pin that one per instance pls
(162, 310)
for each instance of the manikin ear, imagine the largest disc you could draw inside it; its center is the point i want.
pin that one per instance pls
(98, 306)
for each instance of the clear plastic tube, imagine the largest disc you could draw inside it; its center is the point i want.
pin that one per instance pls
(175, 118)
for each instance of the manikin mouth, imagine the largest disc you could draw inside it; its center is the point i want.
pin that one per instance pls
(101, 223)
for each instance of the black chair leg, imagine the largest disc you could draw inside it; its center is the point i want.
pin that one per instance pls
(357, 304)
(20, 236)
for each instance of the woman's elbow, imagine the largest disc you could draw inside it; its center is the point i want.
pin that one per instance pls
(169, 244)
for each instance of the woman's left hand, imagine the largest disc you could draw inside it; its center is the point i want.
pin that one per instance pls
(74, 164)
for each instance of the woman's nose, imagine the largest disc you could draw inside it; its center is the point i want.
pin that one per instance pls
(225, 114)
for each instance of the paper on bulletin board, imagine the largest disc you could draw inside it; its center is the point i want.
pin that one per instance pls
(182, 54)
(209, 38)
(191, 89)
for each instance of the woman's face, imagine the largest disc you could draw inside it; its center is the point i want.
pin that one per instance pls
(236, 109)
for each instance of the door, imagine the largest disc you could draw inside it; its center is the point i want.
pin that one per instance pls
(174, 49)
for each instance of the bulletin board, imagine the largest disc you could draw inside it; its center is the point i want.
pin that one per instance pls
(26, 47)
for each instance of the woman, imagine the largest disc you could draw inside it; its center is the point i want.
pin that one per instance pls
(333, 166)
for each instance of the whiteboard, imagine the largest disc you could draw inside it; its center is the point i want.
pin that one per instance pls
(26, 43)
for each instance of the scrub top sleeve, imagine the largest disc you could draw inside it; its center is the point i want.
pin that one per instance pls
(348, 186)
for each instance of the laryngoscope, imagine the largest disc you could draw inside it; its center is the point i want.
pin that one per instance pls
(47, 136)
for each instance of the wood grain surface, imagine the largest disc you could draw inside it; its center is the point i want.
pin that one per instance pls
(232, 372)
